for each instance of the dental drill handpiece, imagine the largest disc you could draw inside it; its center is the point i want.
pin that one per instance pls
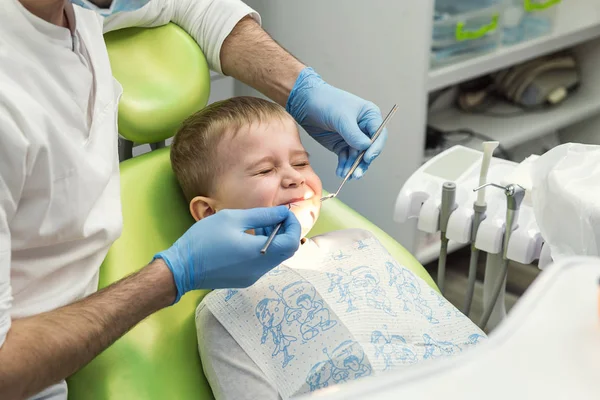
(514, 197)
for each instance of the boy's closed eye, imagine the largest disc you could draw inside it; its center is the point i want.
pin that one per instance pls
(300, 164)
(265, 171)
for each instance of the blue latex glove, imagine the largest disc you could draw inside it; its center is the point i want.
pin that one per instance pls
(340, 121)
(217, 253)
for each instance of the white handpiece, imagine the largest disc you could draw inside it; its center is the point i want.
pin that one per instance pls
(488, 152)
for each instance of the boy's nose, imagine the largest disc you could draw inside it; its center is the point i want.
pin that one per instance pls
(293, 178)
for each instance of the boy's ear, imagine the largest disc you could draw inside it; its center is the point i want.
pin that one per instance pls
(202, 207)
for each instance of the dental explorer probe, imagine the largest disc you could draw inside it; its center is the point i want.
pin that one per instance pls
(348, 175)
(514, 198)
(479, 208)
(362, 154)
(447, 207)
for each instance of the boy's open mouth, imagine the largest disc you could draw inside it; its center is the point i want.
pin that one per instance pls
(295, 202)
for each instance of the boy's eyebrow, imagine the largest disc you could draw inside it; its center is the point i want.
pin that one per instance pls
(272, 159)
(300, 152)
(258, 162)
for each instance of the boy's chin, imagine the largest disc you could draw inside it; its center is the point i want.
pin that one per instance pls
(305, 229)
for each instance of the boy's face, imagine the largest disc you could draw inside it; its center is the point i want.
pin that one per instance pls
(266, 165)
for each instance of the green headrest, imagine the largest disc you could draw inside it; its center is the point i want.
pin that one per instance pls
(165, 79)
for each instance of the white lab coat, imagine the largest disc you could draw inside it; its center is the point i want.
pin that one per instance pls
(59, 182)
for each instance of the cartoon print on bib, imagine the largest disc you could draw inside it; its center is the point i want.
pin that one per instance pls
(341, 315)
(364, 280)
(436, 349)
(361, 245)
(271, 313)
(300, 299)
(409, 290)
(474, 339)
(339, 256)
(230, 294)
(342, 282)
(347, 362)
(393, 348)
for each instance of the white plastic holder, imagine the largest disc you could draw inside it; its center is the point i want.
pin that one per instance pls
(420, 198)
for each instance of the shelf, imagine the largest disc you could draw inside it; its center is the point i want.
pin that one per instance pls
(512, 131)
(577, 21)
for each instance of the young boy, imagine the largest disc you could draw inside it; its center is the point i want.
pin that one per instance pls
(341, 308)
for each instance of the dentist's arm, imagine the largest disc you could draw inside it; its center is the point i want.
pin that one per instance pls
(44, 349)
(229, 33)
(215, 252)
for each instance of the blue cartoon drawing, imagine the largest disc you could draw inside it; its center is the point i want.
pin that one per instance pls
(342, 282)
(392, 348)
(230, 293)
(368, 279)
(346, 362)
(441, 301)
(320, 375)
(277, 271)
(409, 290)
(405, 282)
(271, 313)
(340, 256)
(474, 339)
(361, 245)
(364, 279)
(435, 349)
(422, 307)
(301, 306)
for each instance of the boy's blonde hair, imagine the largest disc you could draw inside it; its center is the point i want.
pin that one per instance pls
(194, 155)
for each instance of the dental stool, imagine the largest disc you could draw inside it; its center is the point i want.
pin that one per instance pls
(158, 359)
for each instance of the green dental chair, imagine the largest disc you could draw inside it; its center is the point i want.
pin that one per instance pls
(166, 78)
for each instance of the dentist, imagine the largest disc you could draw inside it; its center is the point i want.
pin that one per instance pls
(59, 177)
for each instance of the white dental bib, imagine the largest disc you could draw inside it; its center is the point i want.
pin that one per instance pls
(326, 317)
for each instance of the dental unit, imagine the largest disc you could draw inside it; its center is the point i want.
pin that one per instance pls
(548, 209)
(478, 219)
(348, 175)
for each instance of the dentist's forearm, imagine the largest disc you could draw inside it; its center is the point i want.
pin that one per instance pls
(44, 349)
(251, 56)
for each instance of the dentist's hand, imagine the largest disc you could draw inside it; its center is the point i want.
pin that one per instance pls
(217, 253)
(340, 121)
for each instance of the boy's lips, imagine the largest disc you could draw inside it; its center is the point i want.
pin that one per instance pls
(298, 199)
